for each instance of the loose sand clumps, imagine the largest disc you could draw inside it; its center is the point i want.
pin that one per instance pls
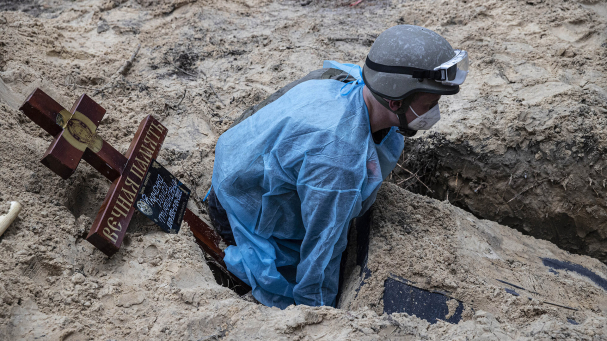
(157, 286)
(200, 65)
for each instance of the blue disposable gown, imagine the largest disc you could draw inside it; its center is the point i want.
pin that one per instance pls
(291, 177)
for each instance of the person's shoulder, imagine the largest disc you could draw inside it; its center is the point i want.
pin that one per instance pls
(322, 87)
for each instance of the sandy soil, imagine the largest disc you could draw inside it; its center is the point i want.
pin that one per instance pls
(200, 65)
(441, 248)
(524, 142)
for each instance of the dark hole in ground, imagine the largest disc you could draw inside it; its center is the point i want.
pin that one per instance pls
(224, 279)
(515, 189)
(558, 229)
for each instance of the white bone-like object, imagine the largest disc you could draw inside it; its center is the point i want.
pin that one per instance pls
(7, 219)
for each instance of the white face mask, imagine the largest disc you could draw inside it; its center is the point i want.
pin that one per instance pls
(425, 121)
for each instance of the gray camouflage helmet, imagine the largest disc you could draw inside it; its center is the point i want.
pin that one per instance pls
(407, 47)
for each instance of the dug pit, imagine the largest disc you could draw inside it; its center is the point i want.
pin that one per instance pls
(523, 143)
(550, 194)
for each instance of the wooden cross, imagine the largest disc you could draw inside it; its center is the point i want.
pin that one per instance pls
(73, 132)
(75, 138)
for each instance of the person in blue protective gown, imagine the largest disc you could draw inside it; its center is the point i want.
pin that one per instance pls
(290, 178)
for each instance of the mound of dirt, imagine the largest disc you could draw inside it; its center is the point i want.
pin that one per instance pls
(477, 265)
(57, 286)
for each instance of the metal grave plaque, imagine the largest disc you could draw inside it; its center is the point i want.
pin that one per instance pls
(162, 198)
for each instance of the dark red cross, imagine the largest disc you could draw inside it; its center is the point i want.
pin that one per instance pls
(75, 138)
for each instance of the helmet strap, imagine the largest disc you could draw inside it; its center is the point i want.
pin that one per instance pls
(400, 112)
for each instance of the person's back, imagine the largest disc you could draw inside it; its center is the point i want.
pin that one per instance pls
(310, 149)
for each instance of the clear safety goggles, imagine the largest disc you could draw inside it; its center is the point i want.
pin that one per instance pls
(454, 71)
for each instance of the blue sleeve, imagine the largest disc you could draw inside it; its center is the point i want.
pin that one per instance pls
(326, 216)
(254, 261)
